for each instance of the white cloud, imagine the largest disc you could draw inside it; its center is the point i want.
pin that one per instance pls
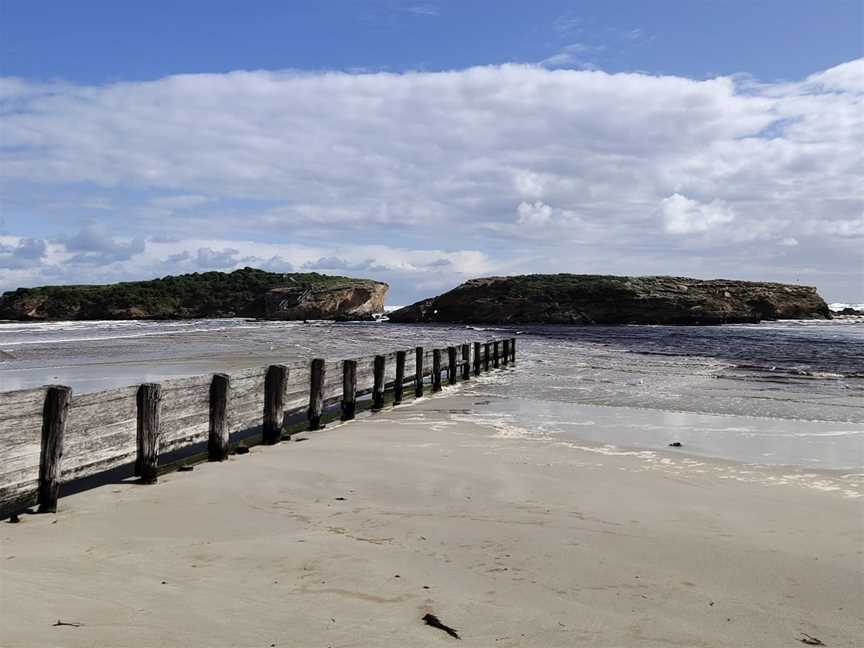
(421, 164)
(537, 213)
(423, 9)
(682, 215)
(21, 253)
(540, 215)
(180, 201)
(842, 228)
(572, 56)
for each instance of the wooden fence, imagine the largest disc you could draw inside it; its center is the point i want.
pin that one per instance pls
(49, 436)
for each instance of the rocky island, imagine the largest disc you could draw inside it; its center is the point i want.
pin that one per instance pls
(243, 293)
(600, 299)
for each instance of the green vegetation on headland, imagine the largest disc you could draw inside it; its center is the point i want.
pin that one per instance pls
(243, 293)
(602, 299)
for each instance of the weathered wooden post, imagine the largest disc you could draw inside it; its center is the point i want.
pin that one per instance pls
(476, 358)
(378, 383)
(54, 412)
(495, 354)
(316, 393)
(217, 440)
(418, 373)
(349, 389)
(466, 364)
(149, 429)
(505, 357)
(452, 370)
(274, 399)
(513, 349)
(486, 352)
(400, 377)
(436, 370)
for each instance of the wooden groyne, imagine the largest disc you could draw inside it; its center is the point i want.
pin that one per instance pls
(50, 436)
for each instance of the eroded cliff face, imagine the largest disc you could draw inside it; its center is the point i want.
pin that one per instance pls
(357, 301)
(596, 299)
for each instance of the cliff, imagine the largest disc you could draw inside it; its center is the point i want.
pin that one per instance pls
(242, 293)
(355, 301)
(597, 299)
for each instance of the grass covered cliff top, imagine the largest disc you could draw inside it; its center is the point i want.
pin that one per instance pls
(204, 294)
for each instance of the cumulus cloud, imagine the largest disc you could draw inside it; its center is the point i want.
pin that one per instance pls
(455, 162)
(23, 253)
(682, 215)
(216, 259)
(539, 216)
(94, 244)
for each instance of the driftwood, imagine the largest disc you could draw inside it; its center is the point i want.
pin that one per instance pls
(435, 622)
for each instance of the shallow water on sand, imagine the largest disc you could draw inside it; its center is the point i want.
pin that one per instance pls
(779, 393)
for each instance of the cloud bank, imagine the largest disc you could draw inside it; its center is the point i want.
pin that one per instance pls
(425, 179)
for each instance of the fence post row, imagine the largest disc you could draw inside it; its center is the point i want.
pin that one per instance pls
(149, 424)
(466, 364)
(54, 412)
(399, 382)
(378, 383)
(349, 389)
(418, 372)
(217, 440)
(316, 393)
(58, 400)
(274, 397)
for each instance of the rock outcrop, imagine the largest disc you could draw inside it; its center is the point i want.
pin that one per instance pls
(359, 300)
(242, 293)
(597, 299)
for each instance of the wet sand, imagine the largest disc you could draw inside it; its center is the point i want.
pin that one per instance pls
(351, 537)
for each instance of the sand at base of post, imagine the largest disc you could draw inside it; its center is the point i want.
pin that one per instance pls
(351, 537)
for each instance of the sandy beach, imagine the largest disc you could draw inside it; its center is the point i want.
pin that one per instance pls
(352, 536)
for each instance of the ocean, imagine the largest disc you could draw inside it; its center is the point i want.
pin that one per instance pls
(779, 393)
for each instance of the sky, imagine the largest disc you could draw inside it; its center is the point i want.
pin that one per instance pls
(426, 143)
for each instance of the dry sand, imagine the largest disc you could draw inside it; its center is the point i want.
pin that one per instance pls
(350, 537)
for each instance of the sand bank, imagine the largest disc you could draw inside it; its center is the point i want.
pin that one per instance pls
(350, 537)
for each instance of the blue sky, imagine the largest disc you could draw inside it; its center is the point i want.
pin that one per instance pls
(424, 143)
(98, 42)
